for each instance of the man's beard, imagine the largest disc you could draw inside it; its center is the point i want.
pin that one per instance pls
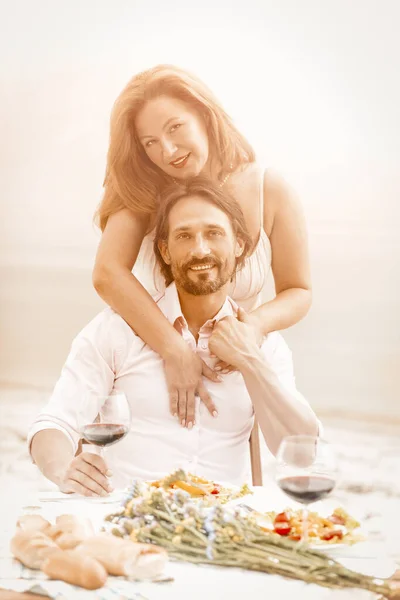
(205, 283)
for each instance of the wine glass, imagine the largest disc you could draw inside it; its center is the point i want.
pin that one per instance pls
(305, 471)
(104, 420)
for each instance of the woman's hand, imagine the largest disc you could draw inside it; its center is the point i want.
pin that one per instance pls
(224, 367)
(184, 370)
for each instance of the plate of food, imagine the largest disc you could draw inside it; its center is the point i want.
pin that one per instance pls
(201, 488)
(329, 533)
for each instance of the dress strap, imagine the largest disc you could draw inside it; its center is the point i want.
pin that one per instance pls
(262, 199)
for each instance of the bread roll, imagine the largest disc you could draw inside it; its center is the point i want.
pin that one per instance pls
(124, 557)
(76, 569)
(69, 531)
(33, 523)
(32, 547)
(68, 541)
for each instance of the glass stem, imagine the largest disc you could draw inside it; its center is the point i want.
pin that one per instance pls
(304, 537)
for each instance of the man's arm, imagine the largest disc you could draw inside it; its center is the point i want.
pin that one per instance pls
(280, 409)
(54, 436)
(54, 463)
(84, 474)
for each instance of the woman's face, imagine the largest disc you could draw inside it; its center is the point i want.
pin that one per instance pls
(173, 136)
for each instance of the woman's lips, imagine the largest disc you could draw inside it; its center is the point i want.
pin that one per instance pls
(180, 162)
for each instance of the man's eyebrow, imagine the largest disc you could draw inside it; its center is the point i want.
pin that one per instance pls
(208, 226)
(167, 122)
(182, 228)
(215, 226)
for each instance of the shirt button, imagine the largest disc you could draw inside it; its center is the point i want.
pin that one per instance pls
(204, 345)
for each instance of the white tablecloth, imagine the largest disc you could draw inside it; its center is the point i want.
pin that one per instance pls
(189, 581)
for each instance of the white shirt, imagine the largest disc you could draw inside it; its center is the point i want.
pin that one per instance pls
(107, 356)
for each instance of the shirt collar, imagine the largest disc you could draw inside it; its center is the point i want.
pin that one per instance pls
(172, 309)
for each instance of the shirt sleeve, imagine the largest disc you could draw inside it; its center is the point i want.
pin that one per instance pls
(96, 355)
(279, 356)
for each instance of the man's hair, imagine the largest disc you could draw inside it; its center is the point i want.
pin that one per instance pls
(205, 188)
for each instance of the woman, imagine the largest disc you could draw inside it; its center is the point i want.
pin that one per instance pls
(166, 126)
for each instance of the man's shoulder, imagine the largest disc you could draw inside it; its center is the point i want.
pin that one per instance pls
(160, 300)
(112, 338)
(107, 325)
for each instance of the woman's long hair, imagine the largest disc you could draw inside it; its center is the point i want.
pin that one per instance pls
(132, 180)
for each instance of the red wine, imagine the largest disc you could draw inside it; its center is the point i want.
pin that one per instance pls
(104, 434)
(306, 488)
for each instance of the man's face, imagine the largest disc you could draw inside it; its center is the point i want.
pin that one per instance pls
(201, 247)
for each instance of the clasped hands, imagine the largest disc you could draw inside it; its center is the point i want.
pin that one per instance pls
(233, 340)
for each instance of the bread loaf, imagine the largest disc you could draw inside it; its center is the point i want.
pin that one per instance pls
(124, 557)
(32, 547)
(70, 530)
(76, 569)
(33, 523)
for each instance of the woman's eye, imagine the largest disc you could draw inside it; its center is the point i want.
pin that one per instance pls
(175, 127)
(215, 233)
(183, 236)
(149, 143)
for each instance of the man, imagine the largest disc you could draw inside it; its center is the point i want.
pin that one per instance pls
(200, 242)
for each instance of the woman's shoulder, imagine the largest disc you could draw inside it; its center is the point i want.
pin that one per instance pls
(280, 199)
(273, 182)
(262, 190)
(127, 221)
(246, 173)
(245, 184)
(266, 179)
(265, 187)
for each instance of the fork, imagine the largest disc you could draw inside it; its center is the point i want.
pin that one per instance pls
(246, 507)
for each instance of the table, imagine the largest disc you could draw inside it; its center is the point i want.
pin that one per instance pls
(200, 581)
(9, 595)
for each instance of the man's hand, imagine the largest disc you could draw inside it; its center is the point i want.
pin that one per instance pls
(86, 475)
(234, 341)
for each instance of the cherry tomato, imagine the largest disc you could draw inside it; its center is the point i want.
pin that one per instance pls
(331, 533)
(282, 528)
(215, 491)
(283, 517)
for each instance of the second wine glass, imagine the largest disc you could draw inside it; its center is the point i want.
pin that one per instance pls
(305, 471)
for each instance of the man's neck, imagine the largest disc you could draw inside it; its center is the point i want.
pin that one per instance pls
(197, 310)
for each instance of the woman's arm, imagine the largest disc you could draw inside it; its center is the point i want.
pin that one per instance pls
(284, 224)
(113, 280)
(120, 289)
